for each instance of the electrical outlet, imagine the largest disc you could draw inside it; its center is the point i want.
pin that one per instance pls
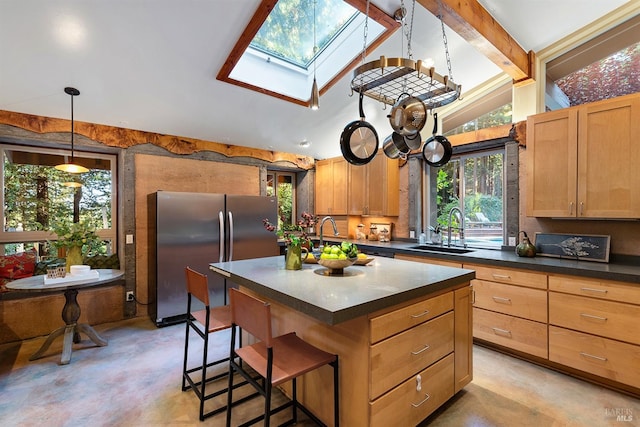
(129, 296)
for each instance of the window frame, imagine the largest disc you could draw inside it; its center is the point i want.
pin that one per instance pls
(258, 18)
(109, 234)
(460, 153)
(294, 190)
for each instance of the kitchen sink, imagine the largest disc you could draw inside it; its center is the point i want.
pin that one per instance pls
(443, 249)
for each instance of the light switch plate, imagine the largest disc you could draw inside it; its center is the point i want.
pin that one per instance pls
(129, 239)
(512, 241)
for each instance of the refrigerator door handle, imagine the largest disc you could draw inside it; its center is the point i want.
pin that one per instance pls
(230, 214)
(221, 222)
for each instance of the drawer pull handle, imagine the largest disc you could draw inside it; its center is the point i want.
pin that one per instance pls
(425, 348)
(603, 291)
(582, 353)
(499, 331)
(591, 316)
(421, 314)
(415, 405)
(502, 300)
(501, 276)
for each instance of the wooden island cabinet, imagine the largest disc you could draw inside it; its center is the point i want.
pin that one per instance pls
(403, 350)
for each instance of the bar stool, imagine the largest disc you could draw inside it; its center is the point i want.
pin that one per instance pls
(211, 319)
(276, 359)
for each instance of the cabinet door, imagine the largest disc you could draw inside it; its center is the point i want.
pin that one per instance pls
(463, 338)
(383, 195)
(357, 189)
(324, 189)
(552, 144)
(340, 186)
(331, 187)
(608, 158)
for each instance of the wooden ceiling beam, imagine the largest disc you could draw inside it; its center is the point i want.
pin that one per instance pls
(474, 24)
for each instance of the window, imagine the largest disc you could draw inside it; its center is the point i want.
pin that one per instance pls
(282, 186)
(497, 117)
(615, 75)
(473, 182)
(275, 54)
(35, 198)
(604, 67)
(285, 33)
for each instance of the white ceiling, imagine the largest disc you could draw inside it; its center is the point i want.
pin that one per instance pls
(151, 65)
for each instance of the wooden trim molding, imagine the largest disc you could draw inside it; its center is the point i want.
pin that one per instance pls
(125, 138)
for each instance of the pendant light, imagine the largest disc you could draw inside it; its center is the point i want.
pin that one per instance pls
(71, 167)
(314, 103)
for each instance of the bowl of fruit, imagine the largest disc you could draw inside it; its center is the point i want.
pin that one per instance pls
(338, 257)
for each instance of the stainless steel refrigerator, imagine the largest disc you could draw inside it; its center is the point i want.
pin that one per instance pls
(196, 229)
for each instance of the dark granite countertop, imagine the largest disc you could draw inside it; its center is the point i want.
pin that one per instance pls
(624, 269)
(362, 290)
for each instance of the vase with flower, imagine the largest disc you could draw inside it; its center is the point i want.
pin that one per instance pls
(296, 239)
(77, 239)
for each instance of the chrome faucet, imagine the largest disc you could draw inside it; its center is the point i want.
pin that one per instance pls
(335, 228)
(460, 226)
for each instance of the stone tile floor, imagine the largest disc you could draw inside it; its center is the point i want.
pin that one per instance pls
(135, 381)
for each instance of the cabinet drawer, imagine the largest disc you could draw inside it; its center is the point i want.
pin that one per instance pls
(402, 319)
(519, 334)
(514, 300)
(603, 289)
(599, 356)
(605, 318)
(510, 276)
(436, 261)
(406, 406)
(401, 356)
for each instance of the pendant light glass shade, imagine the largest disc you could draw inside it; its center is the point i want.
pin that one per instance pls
(71, 167)
(315, 95)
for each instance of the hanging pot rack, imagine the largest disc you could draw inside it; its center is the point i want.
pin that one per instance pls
(386, 79)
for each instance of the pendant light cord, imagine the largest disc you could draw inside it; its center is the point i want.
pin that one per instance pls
(72, 128)
(315, 44)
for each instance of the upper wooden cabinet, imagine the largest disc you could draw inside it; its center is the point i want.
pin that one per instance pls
(581, 161)
(373, 188)
(331, 186)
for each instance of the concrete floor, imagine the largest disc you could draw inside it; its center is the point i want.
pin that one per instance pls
(135, 381)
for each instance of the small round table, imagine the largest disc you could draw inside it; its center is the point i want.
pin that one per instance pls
(71, 309)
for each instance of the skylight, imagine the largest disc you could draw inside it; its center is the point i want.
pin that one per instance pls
(287, 32)
(275, 54)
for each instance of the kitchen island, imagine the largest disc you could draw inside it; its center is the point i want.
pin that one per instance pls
(402, 330)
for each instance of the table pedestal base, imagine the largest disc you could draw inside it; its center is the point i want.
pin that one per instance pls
(71, 330)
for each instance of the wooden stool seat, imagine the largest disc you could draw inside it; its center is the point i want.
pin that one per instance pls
(292, 357)
(276, 359)
(203, 323)
(219, 318)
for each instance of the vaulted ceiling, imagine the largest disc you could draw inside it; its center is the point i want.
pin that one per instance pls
(152, 65)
